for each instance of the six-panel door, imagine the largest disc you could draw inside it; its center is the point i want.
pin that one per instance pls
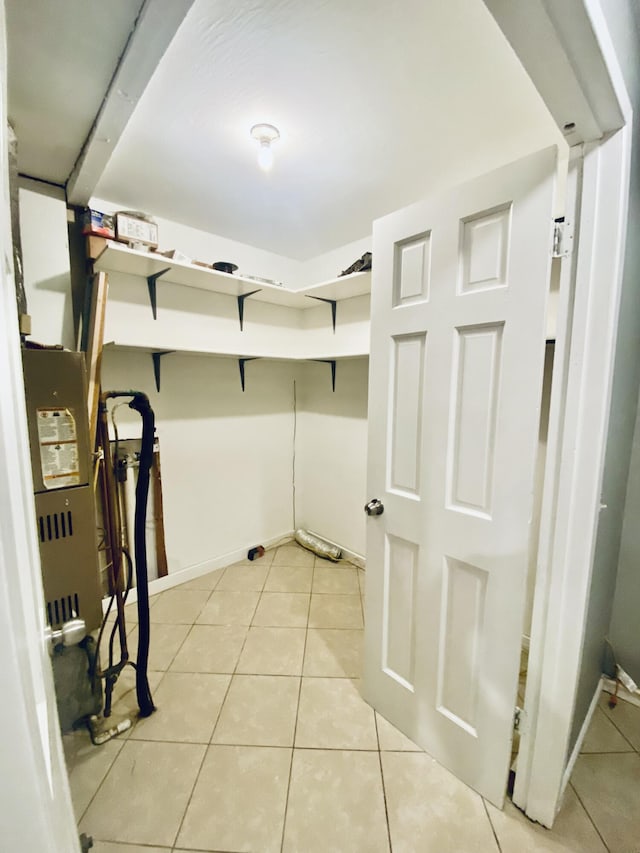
(458, 336)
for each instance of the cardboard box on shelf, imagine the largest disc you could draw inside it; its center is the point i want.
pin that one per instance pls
(136, 229)
(96, 223)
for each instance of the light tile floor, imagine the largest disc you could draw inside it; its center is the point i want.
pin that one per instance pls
(262, 743)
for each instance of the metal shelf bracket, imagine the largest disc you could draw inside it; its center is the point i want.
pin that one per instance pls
(156, 356)
(333, 303)
(151, 284)
(241, 364)
(241, 299)
(332, 362)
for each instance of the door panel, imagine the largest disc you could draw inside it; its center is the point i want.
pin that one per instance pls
(457, 351)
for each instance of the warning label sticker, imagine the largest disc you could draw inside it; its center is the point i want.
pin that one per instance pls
(58, 448)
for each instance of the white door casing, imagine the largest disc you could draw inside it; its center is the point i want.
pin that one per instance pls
(458, 315)
(36, 811)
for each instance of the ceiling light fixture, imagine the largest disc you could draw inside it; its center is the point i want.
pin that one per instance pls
(265, 134)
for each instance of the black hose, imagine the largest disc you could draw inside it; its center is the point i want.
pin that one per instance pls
(140, 403)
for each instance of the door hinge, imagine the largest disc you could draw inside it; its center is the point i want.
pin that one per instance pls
(562, 241)
(519, 718)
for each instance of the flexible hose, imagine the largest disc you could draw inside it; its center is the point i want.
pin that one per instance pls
(140, 403)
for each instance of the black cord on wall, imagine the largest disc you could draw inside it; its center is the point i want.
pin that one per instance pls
(293, 464)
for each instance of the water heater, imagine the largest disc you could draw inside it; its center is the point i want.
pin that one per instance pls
(56, 397)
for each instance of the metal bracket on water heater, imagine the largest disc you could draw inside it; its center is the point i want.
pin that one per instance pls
(241, 364)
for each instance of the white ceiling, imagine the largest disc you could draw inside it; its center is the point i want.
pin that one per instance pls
(61, 57)
(378, 103)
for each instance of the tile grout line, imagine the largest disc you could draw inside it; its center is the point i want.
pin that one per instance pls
(206, 746)
(615, 725)
(384, 789)
(123, 741)
(190, 625)
(102, 781)
(493, 829)
(295, 726)
(233, 674)
(588, 814)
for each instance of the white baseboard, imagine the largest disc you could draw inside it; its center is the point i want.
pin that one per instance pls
(192, 572)
(580, 739)
(609, 686)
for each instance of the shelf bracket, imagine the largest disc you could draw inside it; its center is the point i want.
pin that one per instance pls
(151, 284)
(333, 303)
(156, 356)
(332, 362)
(241, 299)
(242, 362)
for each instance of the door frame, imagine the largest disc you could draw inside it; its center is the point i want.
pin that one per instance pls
(36, 810)
(581, 82)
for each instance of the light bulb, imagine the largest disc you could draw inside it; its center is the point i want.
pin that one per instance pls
(265, 134)
(265, 155)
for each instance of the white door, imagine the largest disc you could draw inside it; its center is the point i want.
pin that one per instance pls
(458, 312)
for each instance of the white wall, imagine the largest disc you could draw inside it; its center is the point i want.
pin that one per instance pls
(331, 264)
(226, 456)
(331, 451)
(624, 632)
(208, 248)
(45, 253)
(624, 21)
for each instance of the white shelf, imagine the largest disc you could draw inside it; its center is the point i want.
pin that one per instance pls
(148, 350)
(157, 354)
(116, 257)
(293, 344)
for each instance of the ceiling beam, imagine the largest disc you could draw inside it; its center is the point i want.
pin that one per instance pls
(153, 31)
(558, 46)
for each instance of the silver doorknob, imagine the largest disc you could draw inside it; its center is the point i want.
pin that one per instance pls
(374, 507)
(71, 633)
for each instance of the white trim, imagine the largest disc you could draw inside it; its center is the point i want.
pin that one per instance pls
(557, 410)
(581, 736)
(562, 590)
(572, 73)
(156, 25)
(173, 579)
(590, 85)
(609, 686)
(35, 811)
